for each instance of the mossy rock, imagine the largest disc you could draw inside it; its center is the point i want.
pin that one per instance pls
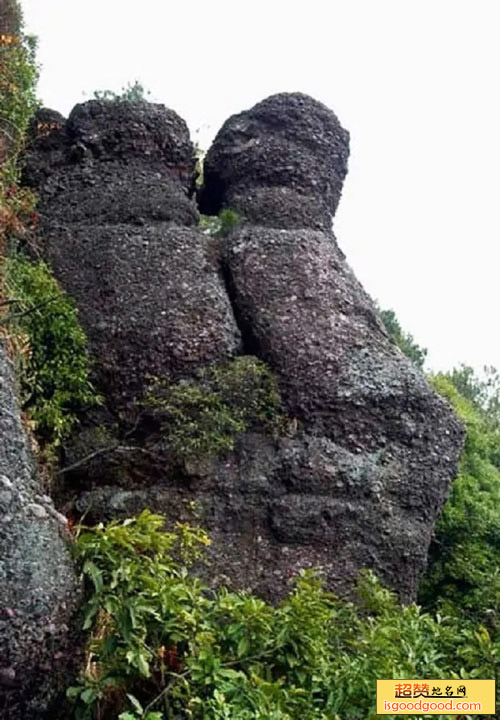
(204, 416)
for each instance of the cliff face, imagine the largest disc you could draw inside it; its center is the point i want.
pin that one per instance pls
(38, 588)
(357, 474)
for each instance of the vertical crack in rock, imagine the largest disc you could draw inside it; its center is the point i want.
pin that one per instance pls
(249, 343)
(281, 165)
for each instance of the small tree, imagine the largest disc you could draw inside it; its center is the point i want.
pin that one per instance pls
(405, 342)
(483, 391)
(134, 92)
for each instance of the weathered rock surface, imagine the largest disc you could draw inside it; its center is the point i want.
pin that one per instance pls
(291, 151)
(150, 298)
(302, 310)
(360, 479)
(114, 182)
(112, 162)
(38, 587)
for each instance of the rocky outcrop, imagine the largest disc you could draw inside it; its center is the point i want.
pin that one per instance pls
(112, 163)
(38, 587)
(150, 298)
(357, 473)
(302, 310)
(281, 164)
(116, 218)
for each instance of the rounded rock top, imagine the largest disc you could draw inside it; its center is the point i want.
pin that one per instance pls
(116, 128)
(287, 140)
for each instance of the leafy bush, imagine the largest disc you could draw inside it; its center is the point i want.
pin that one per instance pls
(134, 92)
(220, 224)
(405, 342)
(18, 75)
(464, 561)
(54, 370)
(164, 646)
(483, 392)
(203, 417)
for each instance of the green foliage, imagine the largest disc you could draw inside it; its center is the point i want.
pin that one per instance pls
(134, 92)
(229, 219)
(203, 417)
(464, 562)
(18, 75)
(483, 392)
(220, 225)
(54, 369)
(162, 642)
(405, 342)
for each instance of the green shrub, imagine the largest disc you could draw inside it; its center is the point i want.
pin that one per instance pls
(54, 370)
(220, 224)
(203, 417)
(464, 562)
(133, 92)
(405, 342)
(164, 643)
(483, 392)
(18, 76)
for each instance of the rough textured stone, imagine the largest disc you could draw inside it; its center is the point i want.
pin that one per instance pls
(114, 182)
(301, 309)
(150, 299)
(38, 588)
(274, 506)
(112, 162)
(288, 141)
(371, 449)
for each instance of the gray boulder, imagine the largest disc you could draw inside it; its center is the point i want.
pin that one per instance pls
(112, 162)
(282, 161)
(150, 299)
(39, 592)
(301, 309)
(115, 184)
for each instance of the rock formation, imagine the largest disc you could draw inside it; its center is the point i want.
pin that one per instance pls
(38, 588)
(117, 222)
(359, 479)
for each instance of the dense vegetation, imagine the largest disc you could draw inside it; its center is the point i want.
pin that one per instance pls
(204, 416)
(53, 369)
(18, 74)
(163, 645)
(39, 322)
(464, 563)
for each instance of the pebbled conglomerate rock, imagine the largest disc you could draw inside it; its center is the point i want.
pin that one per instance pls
(357, 475)
(112, 162)
(301, 309)
(117, 227)
(150, 298)
(282, 162)
(38, 588)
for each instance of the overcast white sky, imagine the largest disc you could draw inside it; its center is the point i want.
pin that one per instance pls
(416, 82)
